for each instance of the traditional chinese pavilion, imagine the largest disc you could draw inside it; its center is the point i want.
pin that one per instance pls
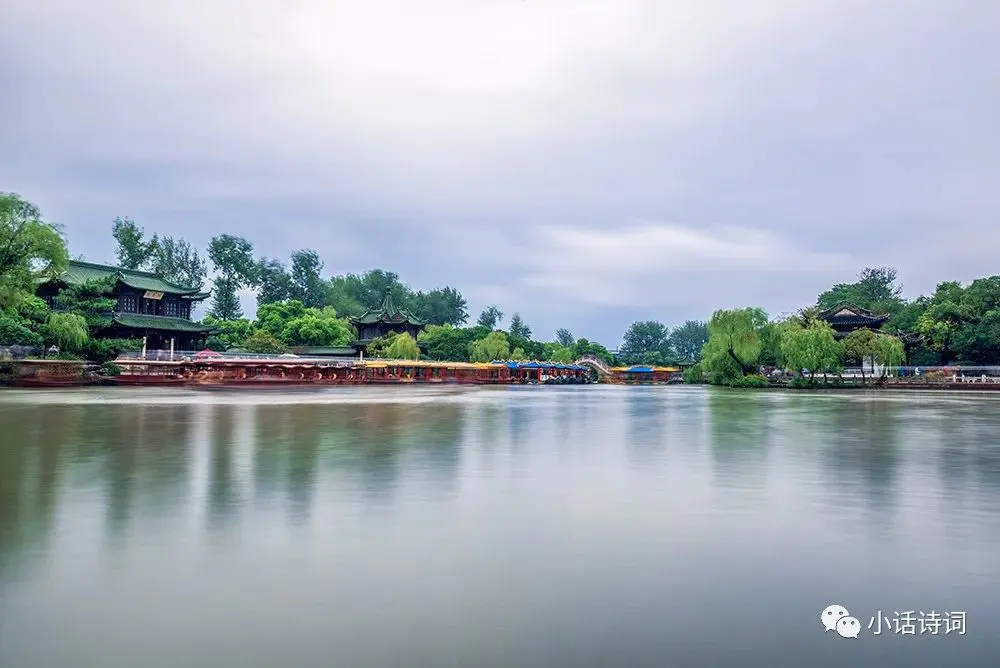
(844, 318)
(374, 323)
(149, 307)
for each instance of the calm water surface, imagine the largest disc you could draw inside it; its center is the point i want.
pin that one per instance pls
(587, 526)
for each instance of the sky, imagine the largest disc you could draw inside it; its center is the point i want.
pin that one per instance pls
(586, 163)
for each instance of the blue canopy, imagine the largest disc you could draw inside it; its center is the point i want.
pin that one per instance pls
(640, 369)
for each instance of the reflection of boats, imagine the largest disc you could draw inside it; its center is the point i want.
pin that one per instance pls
(144, 380)
(51, 382)
(52, 374)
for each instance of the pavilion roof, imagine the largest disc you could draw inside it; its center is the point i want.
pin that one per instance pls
(141, 321)
(846, 313)
(78, 273)
(389, 314)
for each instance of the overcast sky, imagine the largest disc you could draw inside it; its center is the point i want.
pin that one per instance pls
(584, 162)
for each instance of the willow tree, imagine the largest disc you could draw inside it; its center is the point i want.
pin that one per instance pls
(403, 347)
(859, 346)
(491, 347)
(887, 351)
(813, 347)
(67, 330)
(31, 250)
(734, 342)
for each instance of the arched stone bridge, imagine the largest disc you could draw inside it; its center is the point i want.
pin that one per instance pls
(603, 372)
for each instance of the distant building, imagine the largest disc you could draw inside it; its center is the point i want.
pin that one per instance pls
(374, 323)
(147, 305)
(844, 318)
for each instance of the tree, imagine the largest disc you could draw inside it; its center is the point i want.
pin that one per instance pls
(306, 284)
(555, 352)
(887, 351)
(228, 333)
(494, 346)
(31, 250)
(67, 330)
(264, 343)
(403, 347)
(91, 300)
(274, 283)
(442, 306)
(133, 251)
(645, 342)
(859, 346)
(517, 354)
(688, 340)
(225, 302)
(233, 260)
(518, 328)
(177, 261)
(564, 337)
(812, 347)
(317, 327)
(734, 342)
(490, 317)
(447, 343)
(876, 289)
(16, 330)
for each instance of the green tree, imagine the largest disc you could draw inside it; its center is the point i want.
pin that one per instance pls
(490, 317)
(68, 331)
(16, 330)
(887, 351)
(403, 347)
(517, 354)
(31, 250)
(583, 348)
(734, 343)
(646, 343)
(564, 337)
(306, 284)
(449, 344)
(133, 251)
(518, 328)
(494, 346)
(228, 333)
(92, 300)
(876, 289)
(442, 306)
(274, 283)
(263, 342)
(233, 259)
(555, 352)
(688, 340)
(317, 327)
(813, 347)
(859, 346)
(177, 261)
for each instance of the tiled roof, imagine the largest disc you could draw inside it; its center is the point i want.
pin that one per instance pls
(388, 313)
(849, 314)
(81, 272)
(159, 322)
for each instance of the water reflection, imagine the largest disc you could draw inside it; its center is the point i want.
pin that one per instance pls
(740, 437)
(223, 487)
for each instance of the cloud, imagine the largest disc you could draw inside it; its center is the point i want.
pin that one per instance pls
(508, 148)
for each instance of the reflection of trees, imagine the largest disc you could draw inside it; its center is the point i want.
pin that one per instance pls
(861, 447)
(739, 433)
(30, 465)
(306, 425)
(223, 496)
(644, 417)
(969, 455)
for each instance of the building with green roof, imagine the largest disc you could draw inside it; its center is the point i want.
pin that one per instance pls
(148, 306)
(378, 322)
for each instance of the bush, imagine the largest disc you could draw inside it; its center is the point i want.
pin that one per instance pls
(694, 374)
(15, 330)
(110, 369)
(105, 350)
(753, 380)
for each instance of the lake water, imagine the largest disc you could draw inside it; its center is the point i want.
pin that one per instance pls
(494, 527)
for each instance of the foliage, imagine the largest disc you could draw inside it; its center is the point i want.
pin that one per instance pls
(447, 343)
(490, 317)
(233, 259)
(306, 284)
(274, 283)
(859, 346)
(91, 300)
(518, 329)
(876, 289)
(734, 343)
(583, 347)
(16, 330)
(750, 380)
(103, 350)
(228, 333)
(31, 250)
(177, 261)
(518, 354)
(403, 347)
(812, 348)
(68, 331)
(687, 340)
(440, 306)
(887, 351)
(110, 369)
(264, 342)
(291, 322)
(493, 346)
(694, 374)
(556, 352)
(564, 337)
(646, 342)
(133, 251)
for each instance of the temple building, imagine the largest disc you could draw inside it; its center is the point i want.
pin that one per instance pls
(374, 323)
(844, 318)
(149, 307)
